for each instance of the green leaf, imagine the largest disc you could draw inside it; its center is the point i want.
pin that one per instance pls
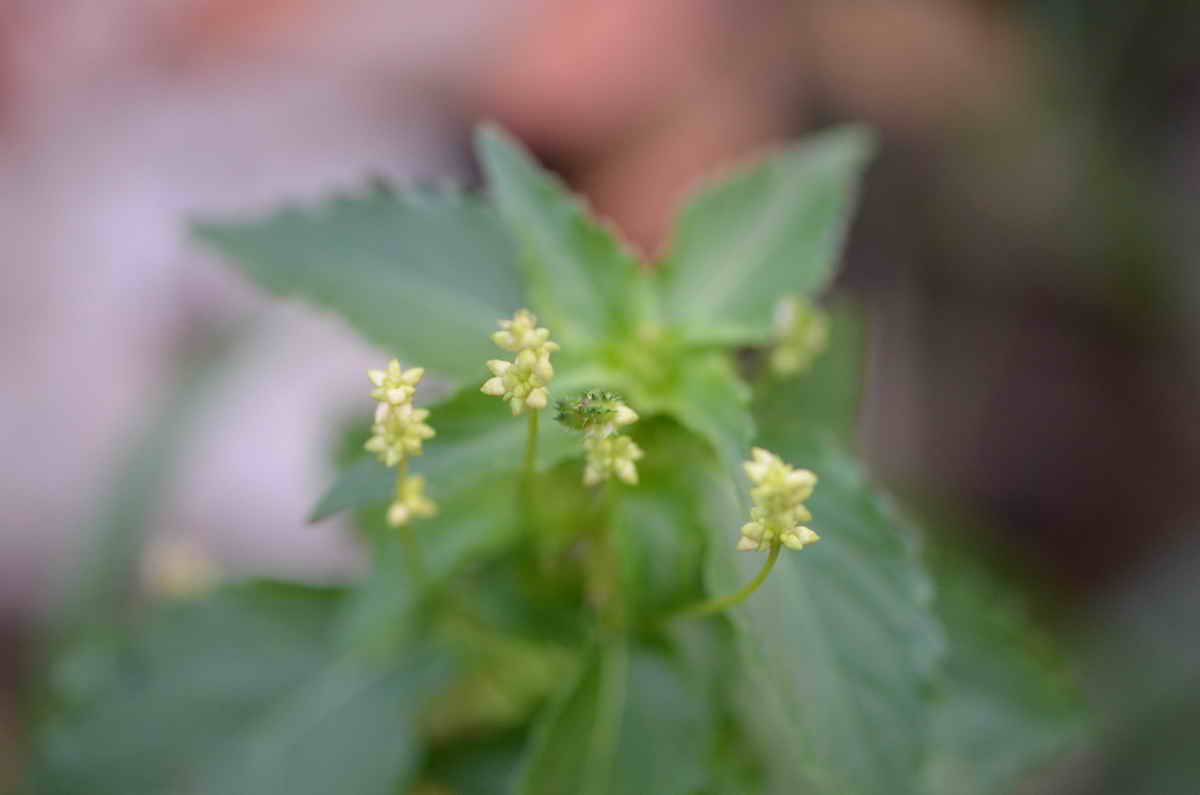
(584, 282)
(469, 525)
(823, 402)
(838, 644)
(632, 722)
(1007, 701)
(712, 401)
(477, 439)
(153, 713)
(424, 275)
(772, 228)
(355, 729)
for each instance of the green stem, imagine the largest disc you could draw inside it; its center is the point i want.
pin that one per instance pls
(531, 449)
(414, 560)
(719, 603)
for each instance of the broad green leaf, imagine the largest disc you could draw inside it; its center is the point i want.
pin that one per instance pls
(838, 644)
(477, 439)
(632, 722)
(424, 275)
(355, 730)
(152, 713)
(585, 284)
(1007, 700)
(713, 401)
(774, 227)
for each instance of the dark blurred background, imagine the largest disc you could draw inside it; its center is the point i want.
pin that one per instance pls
(1025, 247)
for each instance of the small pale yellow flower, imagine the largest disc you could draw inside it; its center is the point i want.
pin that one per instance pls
(522, 382)
(779, 512)
(395, 385)
(612, 455)
(410, 502)
(398, 432)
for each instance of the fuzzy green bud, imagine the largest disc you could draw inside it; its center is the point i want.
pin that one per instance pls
(598, 414)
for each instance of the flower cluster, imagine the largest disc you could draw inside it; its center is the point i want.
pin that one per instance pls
(778, 514)
(396, 436)
(399, 428)
(611, 455)
(802, 331)
(597, 414)
(522, 382)
(410, 501)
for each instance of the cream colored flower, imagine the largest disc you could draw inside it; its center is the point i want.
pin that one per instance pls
(410, 502)
(395, 385)
(398, 432)
(612, 455)
(779, 512)
(522, 382)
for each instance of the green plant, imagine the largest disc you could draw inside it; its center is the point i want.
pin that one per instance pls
(561, 607)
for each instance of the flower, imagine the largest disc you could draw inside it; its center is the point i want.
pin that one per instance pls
(399, 428)
(598, 414)
(778, 514)
(398, 432)
(608, 456)
(395, 385)
(522, 382)
(803, 332)
(410, 501)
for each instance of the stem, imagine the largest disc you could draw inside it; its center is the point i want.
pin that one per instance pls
(606, 562)
(721, 602)
(413, 558)
(531, 449)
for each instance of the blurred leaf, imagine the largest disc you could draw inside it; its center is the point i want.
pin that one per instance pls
(774, 227)
(477, 439)
(152, 714)
(355, 730)
(478, 767)
(1007, 700)
(471, 524)
(823, 402)
(838, 644)
(422, 274)
(632, 722)
(713, 401)
(660, 535)
(583, 280)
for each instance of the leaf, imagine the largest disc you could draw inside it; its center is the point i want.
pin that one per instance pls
(772, 228)
(477, 439)
(632, 722)
(838, 644)
(354, 730)
(151, 714)
(712, 401)
(1007, 700)
(583, 280)
(424, 275)
(823, 402)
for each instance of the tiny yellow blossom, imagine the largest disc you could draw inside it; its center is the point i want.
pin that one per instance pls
(395, 385)
(779, 513)
(410, 502)
(522, 382)
(398, 432)
(803, 332)
(611, 455)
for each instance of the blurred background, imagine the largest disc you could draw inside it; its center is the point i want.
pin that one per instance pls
(1025, 250)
